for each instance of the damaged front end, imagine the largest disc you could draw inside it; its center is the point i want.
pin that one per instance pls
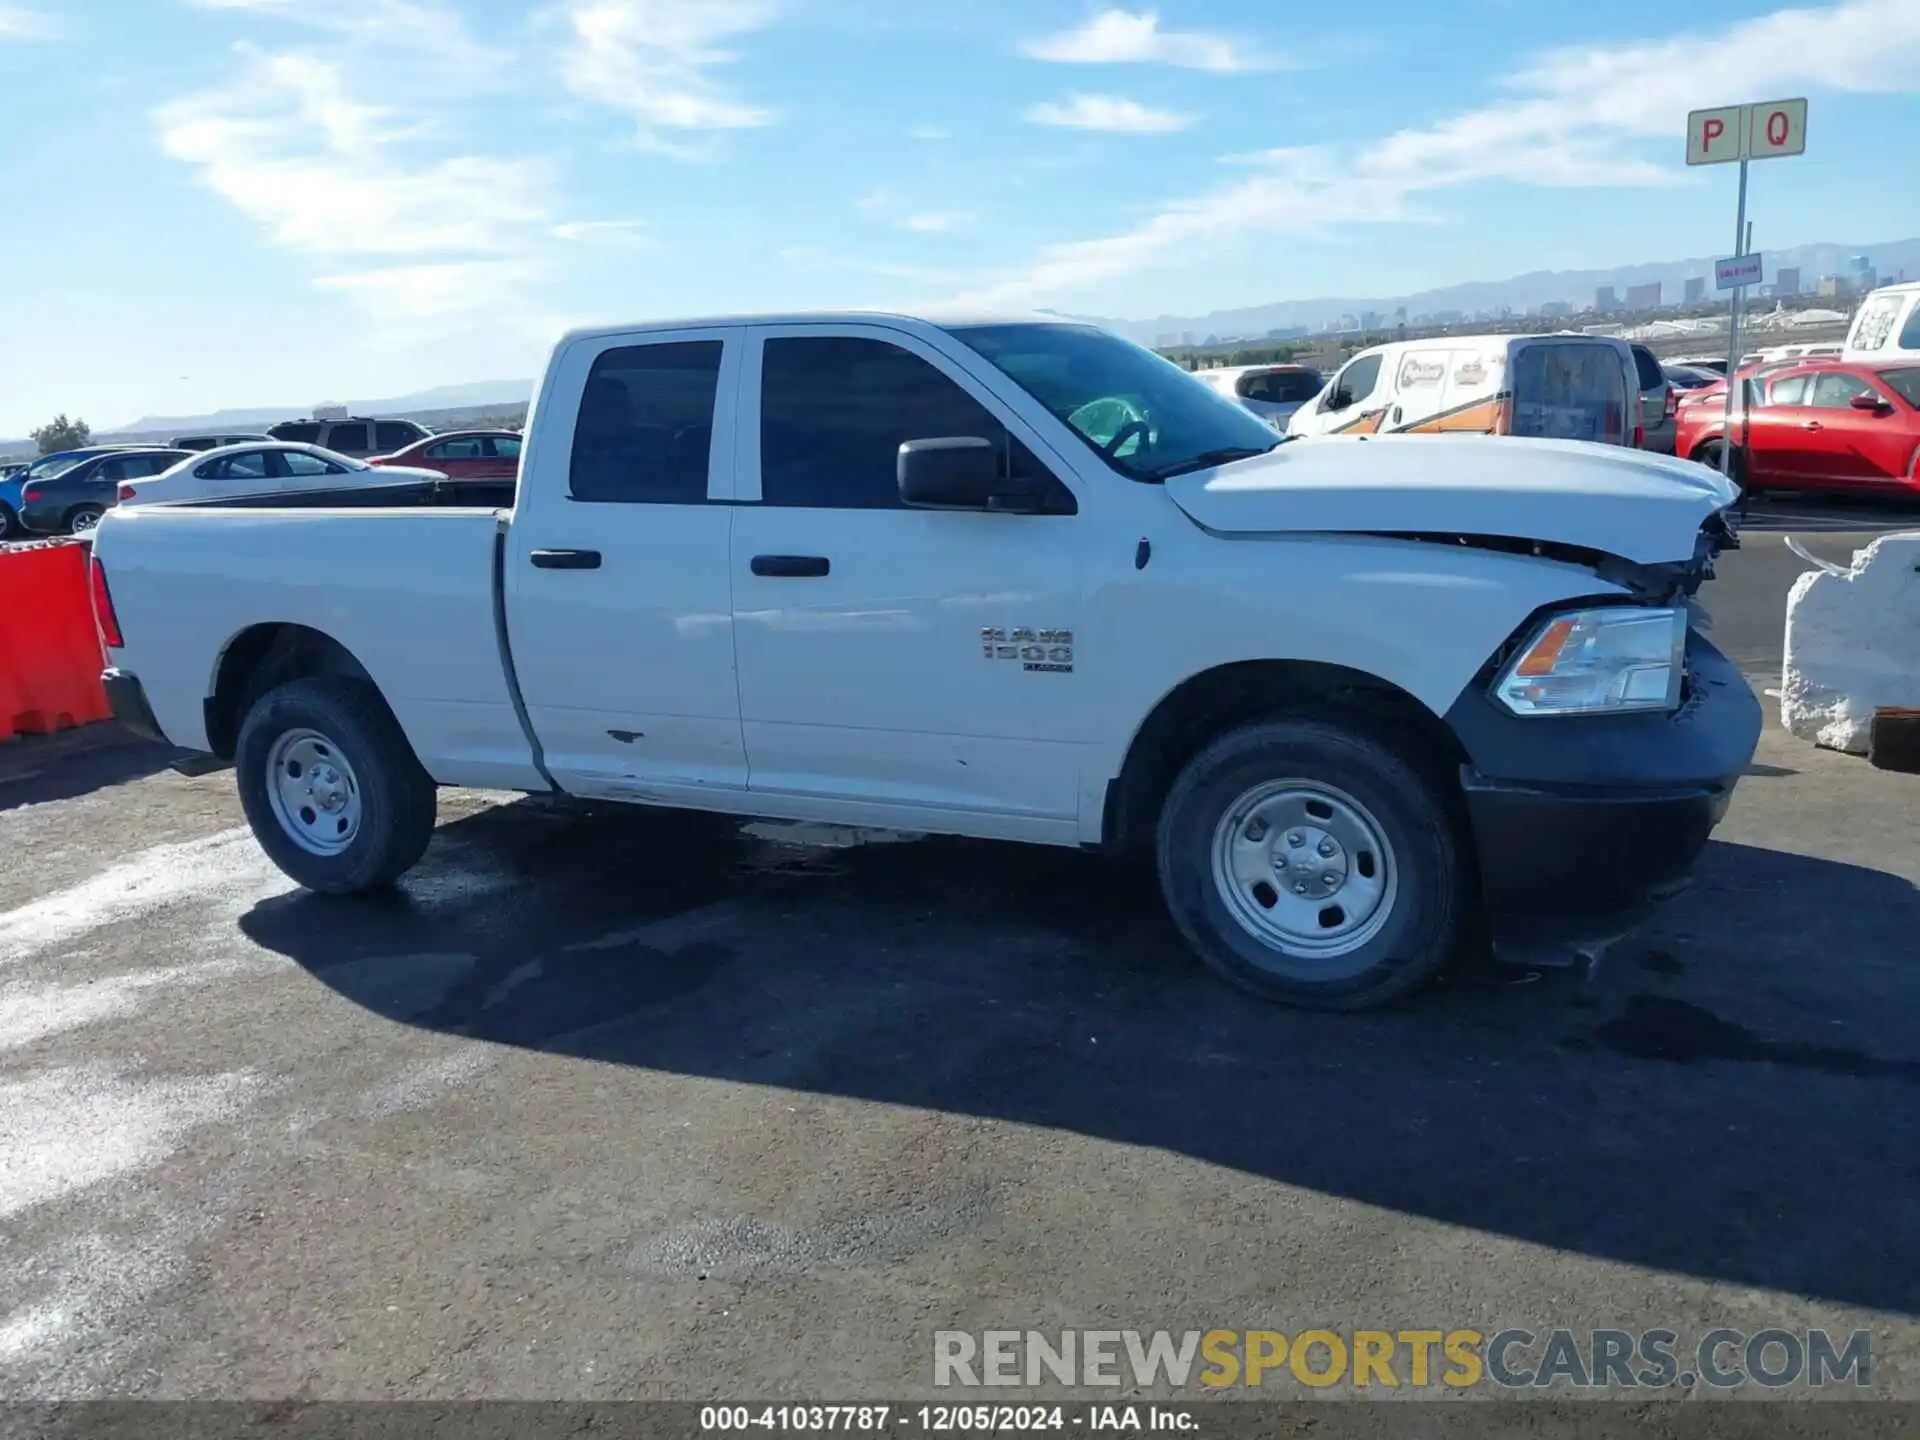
(1664, 583)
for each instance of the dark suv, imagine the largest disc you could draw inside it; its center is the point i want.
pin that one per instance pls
(72, 502)
(356, 436)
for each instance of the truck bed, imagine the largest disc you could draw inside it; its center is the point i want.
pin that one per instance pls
(405, 577)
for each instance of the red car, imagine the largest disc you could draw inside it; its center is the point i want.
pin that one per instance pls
(462, 454)
(1816, 425)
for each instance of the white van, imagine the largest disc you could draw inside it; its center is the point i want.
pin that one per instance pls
(1887, 325)
(1558, 387)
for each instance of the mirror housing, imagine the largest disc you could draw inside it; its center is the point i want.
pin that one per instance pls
(954, 472)
(1869, 400)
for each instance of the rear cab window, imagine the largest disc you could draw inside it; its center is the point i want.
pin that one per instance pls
(1652, 377)
(644, 432)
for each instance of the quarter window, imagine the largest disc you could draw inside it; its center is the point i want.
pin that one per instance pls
(835, 410)
(505, 447)
(346, 438)
(1790, 391)
(393, 435)
(645, 427)
(299, 463)
(249, 465)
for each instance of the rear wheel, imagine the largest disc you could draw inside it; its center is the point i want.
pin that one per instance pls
(1312, 863)
(83, 518)
(1710, 453)
(331, 787)
(9, 524)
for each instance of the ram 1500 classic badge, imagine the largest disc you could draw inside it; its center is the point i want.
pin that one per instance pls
(1041, 650)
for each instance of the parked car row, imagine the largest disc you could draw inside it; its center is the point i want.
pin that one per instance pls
(67, 493)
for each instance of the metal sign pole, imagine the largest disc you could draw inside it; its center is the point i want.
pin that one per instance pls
(1733, 331)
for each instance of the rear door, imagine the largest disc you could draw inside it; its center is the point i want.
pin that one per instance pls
(464, 457)
(900, 662)
(1772, 430)
(1572, 390)
(619, 608)
(502, 456)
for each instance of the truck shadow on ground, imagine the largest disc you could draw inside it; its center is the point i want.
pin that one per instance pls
(37, 769)
(1727, 1098)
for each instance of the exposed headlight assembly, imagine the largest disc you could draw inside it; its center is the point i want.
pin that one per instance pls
(1609, 661)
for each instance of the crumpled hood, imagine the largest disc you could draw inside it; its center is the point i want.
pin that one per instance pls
(1641, 507)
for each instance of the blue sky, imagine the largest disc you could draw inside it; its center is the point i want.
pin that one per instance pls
(234, 202)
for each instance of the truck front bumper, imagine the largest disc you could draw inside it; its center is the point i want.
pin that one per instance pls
(1584, 824)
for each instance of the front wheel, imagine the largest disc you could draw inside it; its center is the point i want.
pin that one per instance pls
(1310, 863)
(331, 787)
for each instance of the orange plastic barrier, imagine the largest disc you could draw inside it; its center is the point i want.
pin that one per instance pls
(50, 655)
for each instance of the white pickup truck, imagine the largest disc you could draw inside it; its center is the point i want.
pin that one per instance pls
(1013, 579)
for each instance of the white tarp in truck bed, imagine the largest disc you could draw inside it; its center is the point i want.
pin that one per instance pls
(1853, 644)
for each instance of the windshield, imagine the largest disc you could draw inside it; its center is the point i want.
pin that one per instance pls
(1145, 416)
(1905, 383)
(54, 465)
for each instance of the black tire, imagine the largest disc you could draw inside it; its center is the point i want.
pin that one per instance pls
(83, 518)
(396, 794)
(1428, 900)
(1708, 454)
(10, 527)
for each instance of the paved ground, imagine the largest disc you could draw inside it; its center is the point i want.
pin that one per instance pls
(603, 1104)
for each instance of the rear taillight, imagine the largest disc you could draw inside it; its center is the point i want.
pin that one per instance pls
(1673, 402)
(126, 492)
(31, 495)
(103, 615)
(1639, 437)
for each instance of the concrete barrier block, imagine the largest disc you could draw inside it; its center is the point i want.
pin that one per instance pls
(1853, 645)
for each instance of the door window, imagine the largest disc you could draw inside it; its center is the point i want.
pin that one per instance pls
(468, 449)
(835, 410)
(347, 437)
(1835, 389)
(504, 447)
(394, 435)
(299, 432)
(1355, 383)
(111, 471)
(1281, 387)
(645, 428)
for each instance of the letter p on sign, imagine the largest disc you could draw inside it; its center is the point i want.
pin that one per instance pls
(1716, 137)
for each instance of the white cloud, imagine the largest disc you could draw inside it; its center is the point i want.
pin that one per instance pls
(448, 289)
(885, 206)
(1120, 37)
(929, 132)
(1114, 113)
(623, 234)
(1571, 118)
(651, 60)
(936, 222)
(285, 141)
(431, 34)
(23, 22)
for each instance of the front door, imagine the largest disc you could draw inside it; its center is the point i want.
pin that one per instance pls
(619, 609)
(1848, 446)
(901, 664)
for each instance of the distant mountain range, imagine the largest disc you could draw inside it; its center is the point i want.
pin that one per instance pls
(1521, 293)
(443, 397)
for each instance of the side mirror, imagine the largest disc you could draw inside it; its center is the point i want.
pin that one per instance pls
(1338, 399)
(1869, 400)
(954, 472)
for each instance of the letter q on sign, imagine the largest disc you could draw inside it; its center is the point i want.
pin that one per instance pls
(1778, 127)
